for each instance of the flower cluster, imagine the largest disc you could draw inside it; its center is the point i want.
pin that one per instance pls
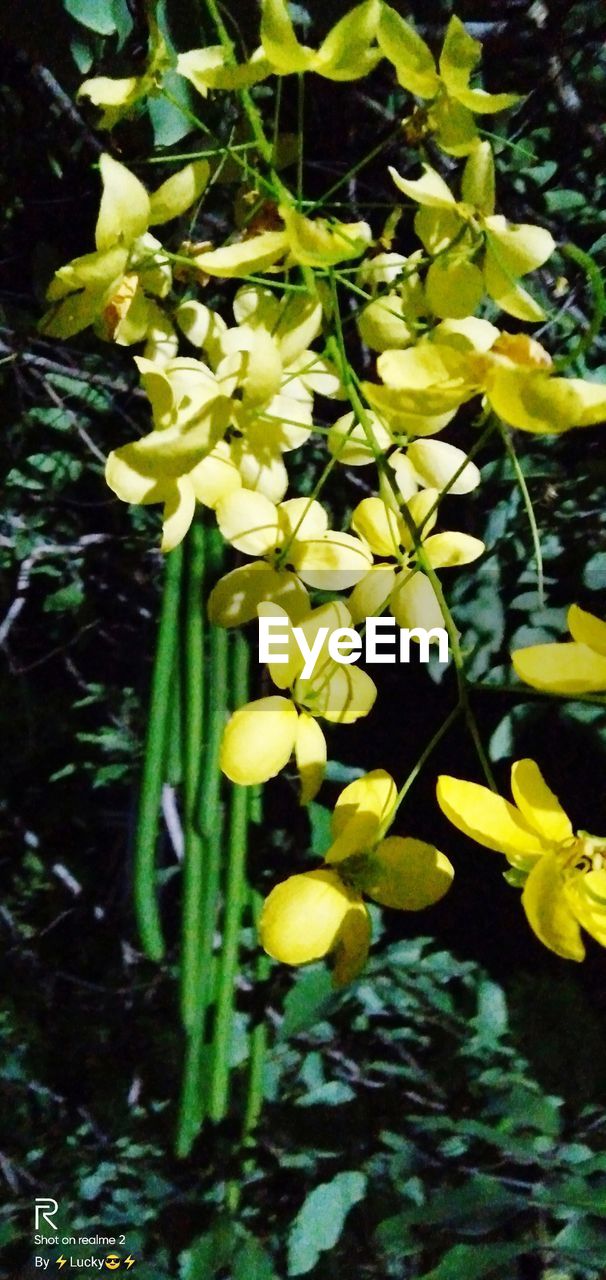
(238, 383)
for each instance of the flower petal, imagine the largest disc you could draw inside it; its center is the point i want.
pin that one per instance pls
(258, 740)
(255, 254)
(333, 562)
(310, 755)
(124, 209)
(179, 192)
(362, 810)
(411, 57)
(538, 805)
(561, 668)
(302, 916)
(488, 819)
(235, 598)
(437, 463)
(407, 874)
(414, 603)
(446, 550)
(352, 946)
(548, 911)
(430, 190)
(249, 521)
(454, 289)
(379, 526)
(347, 440)
(586, 629)
(371, 595)
(179, 509)
(347, 52)
(279, 42)
(340, 694)
(318, 242)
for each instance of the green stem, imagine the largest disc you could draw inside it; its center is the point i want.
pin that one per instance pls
(234, 900)
(193, 696)
(146, 905)
(248, 102)
(422, 760)
(523, 487)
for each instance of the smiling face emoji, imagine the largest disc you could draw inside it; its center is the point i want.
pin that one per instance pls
(112, 1261)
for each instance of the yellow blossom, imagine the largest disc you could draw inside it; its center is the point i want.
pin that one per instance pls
(295, 542)
(115, 287)
(577, 666)
(446, 88)
(183, 460)
(322, 912)
(309, 242)
(469, 357)
(404, 588)
(563, 873)
(260, 737)
(477, 248)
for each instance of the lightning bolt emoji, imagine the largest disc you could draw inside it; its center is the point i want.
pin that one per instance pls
(61, 1261)
(129, 1262)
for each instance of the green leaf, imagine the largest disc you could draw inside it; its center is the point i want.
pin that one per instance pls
(306, 1002)
(319, 818)
(321, 1219)
(251, 1262)
(97, 15)
(473, 1261)
(169, 123)
(65, 598)
(83, 53)
(122, 19)
(564, 200)
(491, 1018)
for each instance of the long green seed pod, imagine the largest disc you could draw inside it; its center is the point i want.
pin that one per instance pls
(146, 904)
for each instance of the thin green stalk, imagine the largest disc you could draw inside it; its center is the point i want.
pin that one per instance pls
(235, 890)
(523, 487)
(355, 168)
(422, 760)
(193, 696)
(248, 102)
(146, 904)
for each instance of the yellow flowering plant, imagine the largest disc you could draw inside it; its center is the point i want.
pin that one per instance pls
(562, 872)
(290, 359)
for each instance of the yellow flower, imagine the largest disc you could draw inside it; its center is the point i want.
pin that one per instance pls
(391, 319)
(578, 666)
(294, 533)
(308, 242)
(183, 460)
(563, 873)
(114, 288)
(445, 86)
(487, 252)
(260, 737)
(464, 358)
(120, 98)
(322, 912)
(406, 590)
(347, 53)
